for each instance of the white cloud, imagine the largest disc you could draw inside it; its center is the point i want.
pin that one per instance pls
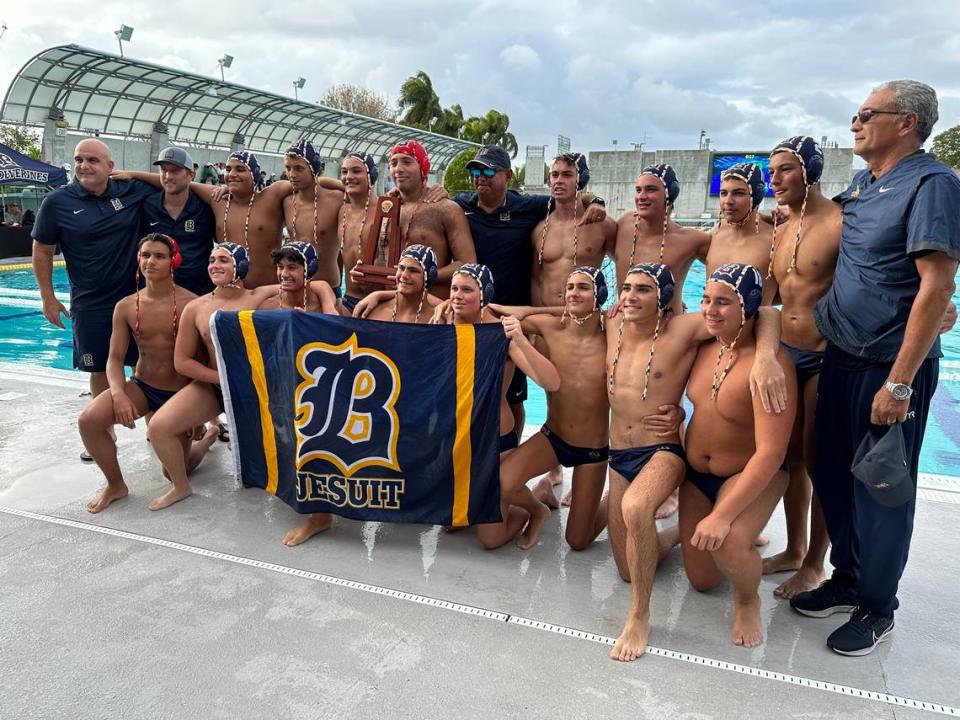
(520, 57)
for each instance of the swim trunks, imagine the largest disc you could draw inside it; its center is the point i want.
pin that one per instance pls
(628, 462)
(350, 302)
(807, 362)
(337, 291)
(710, 484)
(571, 455)
(508, 441)
(155, 396)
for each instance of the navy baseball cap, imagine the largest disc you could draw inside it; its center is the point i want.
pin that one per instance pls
(175, 156)
(492, 156)
(880, 463)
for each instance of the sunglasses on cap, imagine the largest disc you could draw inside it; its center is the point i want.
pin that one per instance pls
(486, 172)
(867, 114)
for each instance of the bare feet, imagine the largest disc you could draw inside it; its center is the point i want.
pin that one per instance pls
(532, 531)
(316, 523)
(781, 562)
(555, 476)
(107, 496)
(747, 629)
(761, 541)
(170, 497)
(567, 498)
(543, 491)
(806, 578)
(632, 642)
(669, 506)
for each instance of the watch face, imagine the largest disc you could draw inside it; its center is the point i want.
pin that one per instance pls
(901, 392)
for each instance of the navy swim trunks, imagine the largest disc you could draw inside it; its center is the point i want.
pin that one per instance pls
(571, 455)
(628, 462)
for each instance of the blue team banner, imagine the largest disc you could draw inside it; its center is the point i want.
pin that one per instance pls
(370, 420)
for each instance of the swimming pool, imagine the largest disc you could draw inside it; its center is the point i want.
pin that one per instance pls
(27, 338)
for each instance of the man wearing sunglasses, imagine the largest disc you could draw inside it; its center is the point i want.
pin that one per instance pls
(899, 247)
(501, 221)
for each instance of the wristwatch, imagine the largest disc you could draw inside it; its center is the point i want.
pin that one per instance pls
(900, 391)
(597, 200)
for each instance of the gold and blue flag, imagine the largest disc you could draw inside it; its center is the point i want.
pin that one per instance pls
(370, 420)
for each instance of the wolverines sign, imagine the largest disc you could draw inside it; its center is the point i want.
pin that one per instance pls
(368, 420)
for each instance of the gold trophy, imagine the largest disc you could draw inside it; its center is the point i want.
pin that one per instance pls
(381, 251)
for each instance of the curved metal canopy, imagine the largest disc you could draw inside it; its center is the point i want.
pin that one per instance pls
(97, 91)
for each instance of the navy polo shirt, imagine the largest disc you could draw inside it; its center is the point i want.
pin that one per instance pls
(502, 241)
(98, 237)
(911, 210)
(194, 231)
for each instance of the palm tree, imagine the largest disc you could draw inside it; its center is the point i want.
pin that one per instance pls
(491, 129)
(451, 122)
(419, 101)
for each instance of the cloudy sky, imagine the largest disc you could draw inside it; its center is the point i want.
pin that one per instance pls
(749, 73)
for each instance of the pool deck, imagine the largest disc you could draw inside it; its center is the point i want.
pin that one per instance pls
(199, 611)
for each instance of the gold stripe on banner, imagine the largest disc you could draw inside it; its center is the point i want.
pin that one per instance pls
(462, 454)
(260, 384)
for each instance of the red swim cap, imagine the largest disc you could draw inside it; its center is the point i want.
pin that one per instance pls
(417, 152)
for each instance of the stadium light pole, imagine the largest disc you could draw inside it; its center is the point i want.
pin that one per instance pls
(298, 85)
(224, 62)
(123, 35)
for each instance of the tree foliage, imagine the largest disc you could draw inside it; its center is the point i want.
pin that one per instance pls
(491, 129)
(22, 139)
(946, 147)
(451, 122)
(356, 99)
(419, 102)
(455, 179)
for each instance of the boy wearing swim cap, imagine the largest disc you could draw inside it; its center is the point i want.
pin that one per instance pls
(649, 356)
(195, 358)
(560, 242)
(735, 450)
(358, 173)
(471, 290)
(312, 211)
(296, 265)
(575, 432)
(439, 225)
(741, 235)
(152, 317)
(411, 301)
(647, 234)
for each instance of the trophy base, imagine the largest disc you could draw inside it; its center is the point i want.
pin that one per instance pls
(378, 275)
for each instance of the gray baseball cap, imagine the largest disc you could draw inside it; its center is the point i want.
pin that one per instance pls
(175, 156)
(880, 463)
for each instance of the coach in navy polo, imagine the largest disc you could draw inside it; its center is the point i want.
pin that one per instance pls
(899, 249)
(96, 222)
(179, 213)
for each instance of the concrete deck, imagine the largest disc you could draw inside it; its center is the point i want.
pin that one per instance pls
(199, 611)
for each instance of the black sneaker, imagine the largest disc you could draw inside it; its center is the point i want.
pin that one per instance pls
(831, 597)
(861, 633)
(85, 457)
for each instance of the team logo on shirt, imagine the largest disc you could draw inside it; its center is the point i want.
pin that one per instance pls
(117, 205)
(345, 407)
(505, 217)
(188, 226)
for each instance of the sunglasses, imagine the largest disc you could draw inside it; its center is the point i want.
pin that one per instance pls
(865, 116)
(486, 172)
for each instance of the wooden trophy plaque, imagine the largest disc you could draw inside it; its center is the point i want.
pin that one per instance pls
(381, 251)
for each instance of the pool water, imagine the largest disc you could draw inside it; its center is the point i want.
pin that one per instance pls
(26, 337)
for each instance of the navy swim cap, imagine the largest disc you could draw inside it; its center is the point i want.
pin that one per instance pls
(599, 282)
(745, 281)
(241, 263)
(371, 164)
(427, 259)
(808, 151)
(662, 275)
(305, 150)
(253, 165)
(309, 255)
(668, 177)
(484, 278)
(752, 175)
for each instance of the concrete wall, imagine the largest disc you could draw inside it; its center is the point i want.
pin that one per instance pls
(613, 176)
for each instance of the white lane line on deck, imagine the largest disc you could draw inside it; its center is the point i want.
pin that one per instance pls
(858, 693)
